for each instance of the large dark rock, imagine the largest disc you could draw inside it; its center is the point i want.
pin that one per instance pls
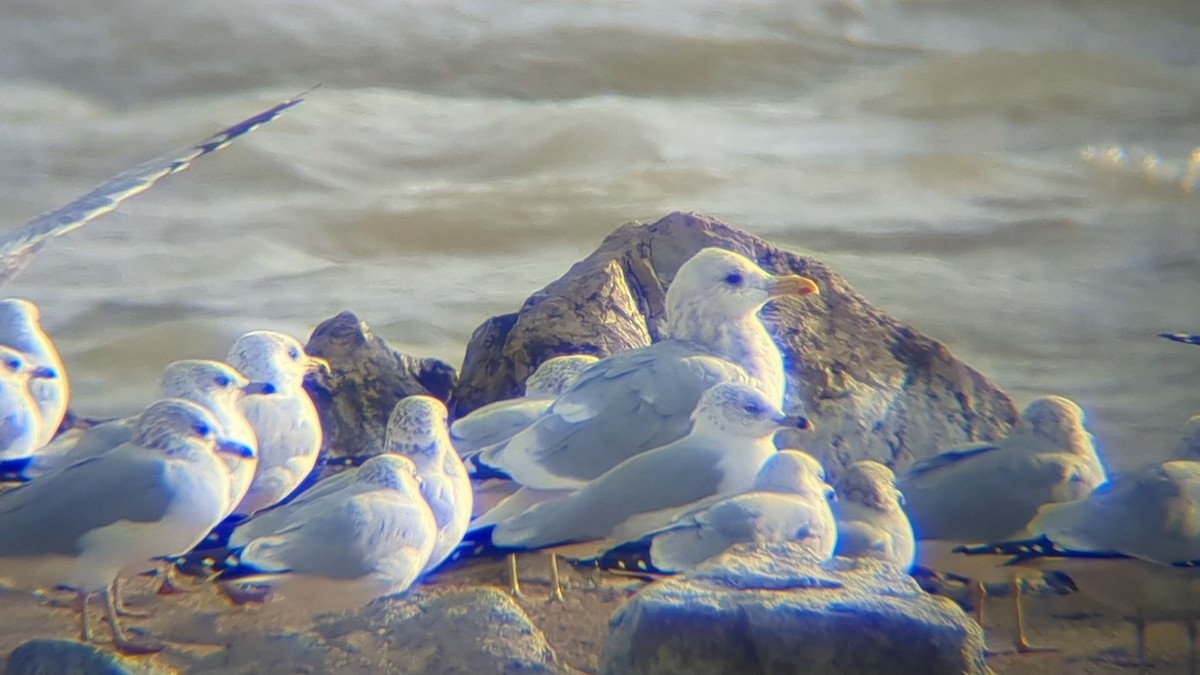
(875, 387)
(367, 378)
(776, 610)
(55, 657)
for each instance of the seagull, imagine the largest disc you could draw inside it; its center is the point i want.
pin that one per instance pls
(18, 246)
(1133, 545)
(284, 422)
(990, 492)
(21, 329)
(499, 421)
(870, 515)
(789, 501)
(111, 515)
(640, 399)
(371, 537)
(19, 432)
(417, 430)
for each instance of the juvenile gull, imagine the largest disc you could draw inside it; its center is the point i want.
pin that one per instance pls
(112, 514)
(21, 329)
(501, 420)
(732, 435)
(990, 491)
(372, 537)
(417, 430)
(285, 422)
(18, 246)
(214, 385)
(870, 516)
(1133, 545)
(642, 398)
(789, 501)
(20, 430)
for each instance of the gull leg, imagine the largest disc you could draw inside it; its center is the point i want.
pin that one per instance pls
(555, 582)
(1139, 625)
(514, 582)
(119, 601)
(121, 641)
(1021, 643)
(979, 596)
(85, 631)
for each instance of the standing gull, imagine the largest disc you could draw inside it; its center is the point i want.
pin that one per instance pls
(641, 399)
(372, 537)
(870, 516)
(990, 492)
(501, 420)
(113, 514)
(417, 430)
(1133, 545)
(284, 422)
(18, 246)
(789, 501)
(21, 329)
(19, 427)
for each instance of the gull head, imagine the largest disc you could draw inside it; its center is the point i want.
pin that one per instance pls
(871, 484)
(719, 285)
(179, 427)
(16, 367)
(390, 471)
(556, 375)
(417, 428)
(277, 358)
(201, 379)
(792, 471)
(1054, 417)
(19, 315)
(740, 410)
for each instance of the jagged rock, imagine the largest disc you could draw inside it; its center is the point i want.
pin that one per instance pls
(876, 388)
(368, 377)
(56, 657)
(777, 610)
(468, 631)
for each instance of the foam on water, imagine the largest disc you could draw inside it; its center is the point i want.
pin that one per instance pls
(461, 156)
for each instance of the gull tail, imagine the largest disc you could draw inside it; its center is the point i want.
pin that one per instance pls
(631, 557)
(1186, 338)
(13, 470)
(1041, 546)
(475, 544)
(477, 470)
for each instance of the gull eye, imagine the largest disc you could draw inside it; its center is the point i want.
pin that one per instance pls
(13, 364)
(223, 381)
(201, 429)
(753, 408)
(733, 278)
(294, 354)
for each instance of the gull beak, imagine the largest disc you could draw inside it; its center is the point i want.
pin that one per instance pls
(796, 422)
(43, 372)
(792, 284)
(317, 364)
(263, 388)
(235, 448)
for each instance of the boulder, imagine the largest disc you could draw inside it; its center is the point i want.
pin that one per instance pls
(463, 631)
(367, 378)
(54, 657)
(875, 387)
(778, 610)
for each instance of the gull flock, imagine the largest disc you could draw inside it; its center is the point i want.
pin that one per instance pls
(648, 461)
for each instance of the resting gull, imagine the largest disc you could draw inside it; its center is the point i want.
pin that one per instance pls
(372, 537)
(18, 246)
(642, 398)
(113, 514)
(990, 491)
(1133, 545)
(789, 501)
(285, 422)
(501, 420)
(21, 329)
(870, 516)
(20, 431)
